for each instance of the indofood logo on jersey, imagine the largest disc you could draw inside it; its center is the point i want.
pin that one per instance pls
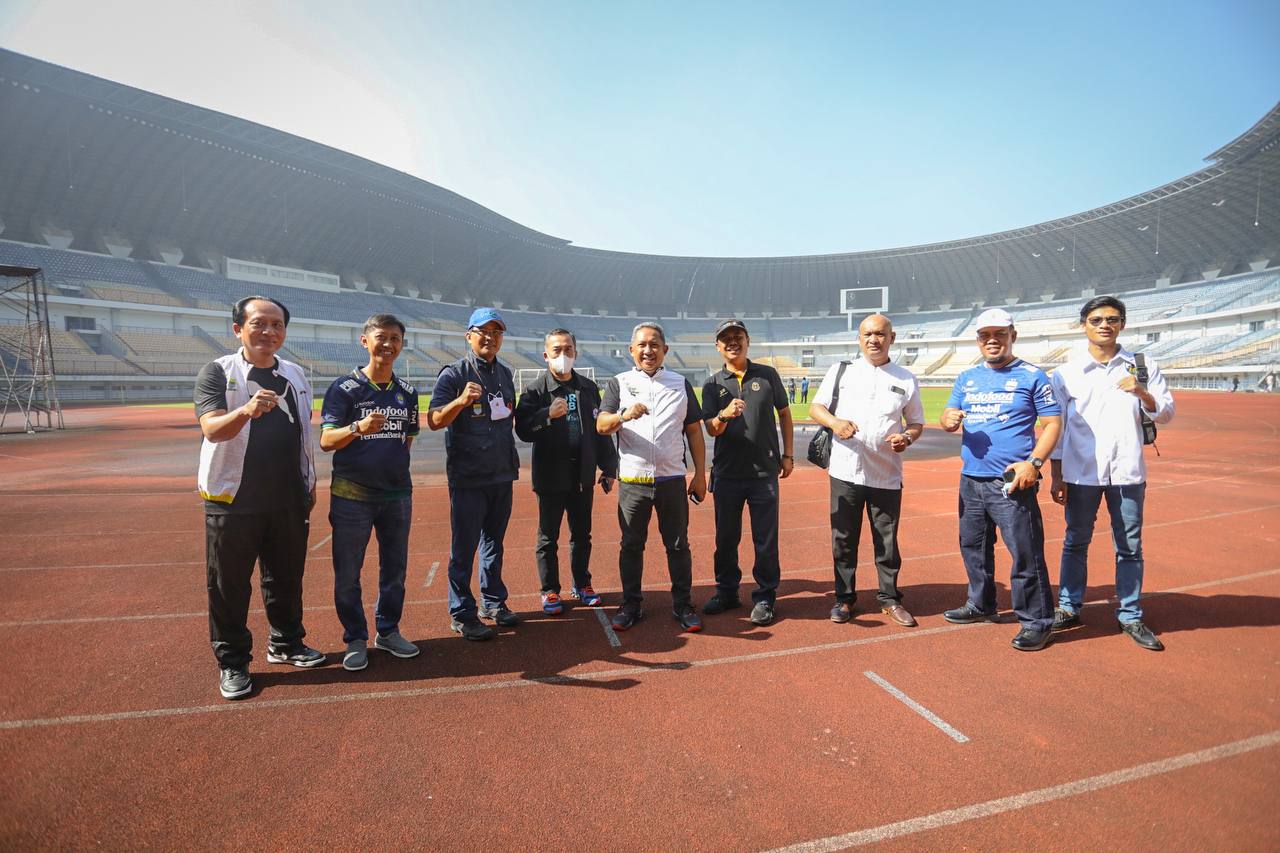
(987, 402)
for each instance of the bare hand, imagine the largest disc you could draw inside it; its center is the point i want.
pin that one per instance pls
(260, 403)
(371, 423)
(1025, 476)
(788, 465)
(606, 484)
(559, 408)
(635, 410)
(1128, 384)
(951, 419)
(898, 442)
(1058, 491)
(470, 393)
(844, 429)
(735, 409)
(698, 487)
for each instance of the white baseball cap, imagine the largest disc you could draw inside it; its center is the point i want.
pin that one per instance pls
(994, 318)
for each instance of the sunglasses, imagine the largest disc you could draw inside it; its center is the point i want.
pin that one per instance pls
(1110, 321)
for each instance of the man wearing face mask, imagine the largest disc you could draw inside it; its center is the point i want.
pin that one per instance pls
(557, 413)
(472, 400)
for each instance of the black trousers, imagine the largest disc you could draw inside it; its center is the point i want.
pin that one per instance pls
(883, 508)
(552, 507)
(233, 543)
(636, 504)
(760, 495)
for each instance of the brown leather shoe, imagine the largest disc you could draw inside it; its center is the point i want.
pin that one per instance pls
(899, 614)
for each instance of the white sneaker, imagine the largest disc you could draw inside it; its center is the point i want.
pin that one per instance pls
(356, 657)
(396, 644)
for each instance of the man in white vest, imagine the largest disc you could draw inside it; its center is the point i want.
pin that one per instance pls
(654, 412)
(257, 477)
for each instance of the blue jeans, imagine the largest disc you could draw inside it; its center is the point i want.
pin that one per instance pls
(983, 508)
(352, 522)
(760, 496)
(1124, 505)
(477, 519)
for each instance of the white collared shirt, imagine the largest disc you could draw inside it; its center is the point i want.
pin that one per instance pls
(1101, 441)
(879, 400)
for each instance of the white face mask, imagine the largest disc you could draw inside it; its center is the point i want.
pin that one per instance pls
(560, 364)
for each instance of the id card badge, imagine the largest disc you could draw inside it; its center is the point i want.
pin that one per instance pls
(498, 408)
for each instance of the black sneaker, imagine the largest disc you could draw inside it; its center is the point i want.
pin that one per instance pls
(719, 603)
(968, 613)
(471, 629)
(1142, 635)
(1065, 620)
(688, 618)
(627, 615)
(234, 682)
(1029, 640)
(762, 613)
(500, 614)
(299, 655)
(842, 612)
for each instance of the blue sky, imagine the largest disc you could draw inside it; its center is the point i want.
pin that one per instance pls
(709, 128)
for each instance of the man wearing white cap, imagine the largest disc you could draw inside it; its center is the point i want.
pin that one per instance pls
(998, 403)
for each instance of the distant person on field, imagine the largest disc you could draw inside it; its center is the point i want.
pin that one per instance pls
(1235, 384)
(1103, 396)
(804, 389)
(738, 406)
(877, 417)
(654, 412)
(258, 481)
(473, 399)
(791, 389)
(998, 403)
(368, 421)
(557, 412)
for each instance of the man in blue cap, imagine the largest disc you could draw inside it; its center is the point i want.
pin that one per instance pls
(473, 399)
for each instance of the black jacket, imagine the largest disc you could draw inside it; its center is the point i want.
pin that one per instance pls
(550, 438)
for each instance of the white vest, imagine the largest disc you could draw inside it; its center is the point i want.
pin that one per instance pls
(652, 446)
(222, 464)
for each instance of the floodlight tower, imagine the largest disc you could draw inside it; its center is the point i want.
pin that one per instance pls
(28, 380)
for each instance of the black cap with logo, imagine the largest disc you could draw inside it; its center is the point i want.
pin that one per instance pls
(730, 324)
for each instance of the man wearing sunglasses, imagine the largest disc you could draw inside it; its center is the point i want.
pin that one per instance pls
(1104, 395)
(473, 400)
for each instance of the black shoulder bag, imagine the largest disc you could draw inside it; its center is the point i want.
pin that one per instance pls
(1148, 425)
(820, 444)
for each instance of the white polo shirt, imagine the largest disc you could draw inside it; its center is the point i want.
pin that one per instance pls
(880, 401)
(1101, 442)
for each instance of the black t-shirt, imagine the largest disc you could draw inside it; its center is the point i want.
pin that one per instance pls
(573, 419)
(748, 447)
(272, 478)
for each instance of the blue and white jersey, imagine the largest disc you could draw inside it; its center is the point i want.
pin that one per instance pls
(1001, 405)
(377, 464)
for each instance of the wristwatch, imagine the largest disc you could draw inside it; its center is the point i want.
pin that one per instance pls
(354, 428)
(1036, 462)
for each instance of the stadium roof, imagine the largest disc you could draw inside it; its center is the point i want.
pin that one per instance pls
(103, 162)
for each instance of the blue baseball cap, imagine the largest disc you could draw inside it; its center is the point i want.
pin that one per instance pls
(480, 316)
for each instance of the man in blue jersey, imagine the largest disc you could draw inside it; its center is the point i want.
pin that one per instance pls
(368, 422)
(998, 403)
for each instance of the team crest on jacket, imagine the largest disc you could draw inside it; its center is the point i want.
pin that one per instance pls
(755, 385)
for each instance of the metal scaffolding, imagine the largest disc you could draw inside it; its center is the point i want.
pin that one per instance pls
(28, 379)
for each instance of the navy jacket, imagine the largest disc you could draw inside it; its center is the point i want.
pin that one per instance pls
(479, 451)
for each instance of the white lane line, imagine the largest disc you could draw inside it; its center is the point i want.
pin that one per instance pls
(431, 573)
(416, 602)
(952, 817)
(321, 542)
(609, 633)
(946, 727)
(673, 666)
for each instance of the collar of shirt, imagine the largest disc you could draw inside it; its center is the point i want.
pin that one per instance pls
(1122, 355)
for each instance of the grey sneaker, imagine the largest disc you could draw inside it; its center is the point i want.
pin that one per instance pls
(762, 613)
(299, 655)
(500, 614)
(356, 657)
(471, 628)
(234, 682)
(396, 644)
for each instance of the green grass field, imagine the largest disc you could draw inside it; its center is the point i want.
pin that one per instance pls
(934, 400)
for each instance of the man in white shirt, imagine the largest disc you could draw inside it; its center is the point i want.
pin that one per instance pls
(654, 412)
(877, 417)
(1104, 396)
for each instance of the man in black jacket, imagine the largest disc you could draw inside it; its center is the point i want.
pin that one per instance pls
(557, 413)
